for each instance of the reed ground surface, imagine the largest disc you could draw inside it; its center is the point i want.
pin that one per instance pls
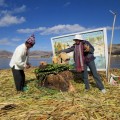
(39, 103)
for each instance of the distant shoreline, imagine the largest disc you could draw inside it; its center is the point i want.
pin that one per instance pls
(29, 57)
(35, 60)
(45, 56)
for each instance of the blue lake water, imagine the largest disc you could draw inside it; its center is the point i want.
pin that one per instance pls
(4, 62)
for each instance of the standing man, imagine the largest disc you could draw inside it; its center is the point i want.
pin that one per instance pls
(84, 57)
(19, 61)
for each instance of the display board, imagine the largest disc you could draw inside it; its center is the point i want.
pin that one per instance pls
(97, 37)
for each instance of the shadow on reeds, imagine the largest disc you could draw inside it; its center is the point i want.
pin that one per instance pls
(29, 81)
(77, 77)
(93, 85)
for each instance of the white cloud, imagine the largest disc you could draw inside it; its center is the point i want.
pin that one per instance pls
(8, 20)
(20, 9)
(58, 29)
(5, 41)
(110, 28)
(28, 30)
(62, 29)
(67, 4)
(13, 11)
(16, 39)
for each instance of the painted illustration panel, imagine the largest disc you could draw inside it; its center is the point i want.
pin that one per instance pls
(96, 37)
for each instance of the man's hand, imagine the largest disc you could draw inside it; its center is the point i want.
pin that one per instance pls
(86, 48)
(27, 66)
(57, 52)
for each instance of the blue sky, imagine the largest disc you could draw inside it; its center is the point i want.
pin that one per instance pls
(50, 18)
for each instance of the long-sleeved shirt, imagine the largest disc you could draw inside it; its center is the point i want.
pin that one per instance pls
(89, 56)
(20, 57)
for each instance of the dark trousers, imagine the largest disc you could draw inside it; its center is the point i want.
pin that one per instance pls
(96, 76)
(19, 79)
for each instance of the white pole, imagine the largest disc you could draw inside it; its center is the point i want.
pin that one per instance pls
(108, 76)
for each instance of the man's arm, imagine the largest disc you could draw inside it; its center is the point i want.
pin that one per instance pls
(66, 50)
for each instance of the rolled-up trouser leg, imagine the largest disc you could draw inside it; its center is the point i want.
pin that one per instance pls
(96, 75)
(23, 79)
(85, 77)
(19, 79)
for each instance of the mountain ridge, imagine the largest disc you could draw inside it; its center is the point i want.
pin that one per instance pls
(5, 53)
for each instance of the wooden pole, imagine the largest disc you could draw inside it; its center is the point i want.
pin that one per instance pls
(109, 59)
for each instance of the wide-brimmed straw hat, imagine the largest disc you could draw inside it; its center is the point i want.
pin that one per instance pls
(78, 37)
